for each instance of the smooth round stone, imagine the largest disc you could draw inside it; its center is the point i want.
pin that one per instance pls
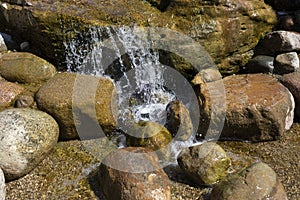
(27, 136)
(286, 63)
(258, 181)
(25, 68)
(2, 185)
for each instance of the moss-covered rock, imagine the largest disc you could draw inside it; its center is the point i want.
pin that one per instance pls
(227, 29)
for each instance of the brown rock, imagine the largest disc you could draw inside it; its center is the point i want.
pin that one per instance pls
(179, 121)
(25, 68)
(280, 41)
(258, 107)
(8, 93)
(24, 101)
(258, 181)
(133, 173)
(93, 100)
(292, 82)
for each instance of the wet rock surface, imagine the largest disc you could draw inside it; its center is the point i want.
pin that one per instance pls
(258, 181)
(179, 121)
(92, 100)
(205, 164)
(25, 68)
(291, 81)
(139, 176)
(27, 136)
(8, 93)
(227, 29)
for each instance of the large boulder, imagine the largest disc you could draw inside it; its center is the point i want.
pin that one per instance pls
(25, 68)
(258, 107)
(133, 173)
(291, 81)
(2, 185)
(204, 164)
(280, 41)
(227, 29)
(8, 93)
(258, 181)
(79, 103)
(27, 136)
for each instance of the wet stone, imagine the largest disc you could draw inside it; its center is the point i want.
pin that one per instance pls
(8, 93)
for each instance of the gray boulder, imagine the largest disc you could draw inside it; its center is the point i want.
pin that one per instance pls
(27, 136)
(204, 164)
(286, 63)
(258, 181)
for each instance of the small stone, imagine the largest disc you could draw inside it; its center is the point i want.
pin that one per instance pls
(3, 46)
(25, 68)
(260, 64)
(204, 164)
(179, 121)
(27, 136)
(286, 63)
(206, 76)
(258, 181)
(292, 82)
(8, 93)
(133, 173)
(2, 185)
(280, 42)
(150, 135)
(24, 101)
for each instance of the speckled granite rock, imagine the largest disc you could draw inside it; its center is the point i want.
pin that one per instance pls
(258, 107)
(8, 93)
(258, 181)
(92, 100)
(138, 176)
(25, 68)
(204, 164)
(27, 137)
(2, 185)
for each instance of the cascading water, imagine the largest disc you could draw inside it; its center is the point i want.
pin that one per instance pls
(134, 65)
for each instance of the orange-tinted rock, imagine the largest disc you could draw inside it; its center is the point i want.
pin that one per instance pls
(8, 93)
(133, 173)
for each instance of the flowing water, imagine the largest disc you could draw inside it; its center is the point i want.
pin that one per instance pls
(133, 64)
